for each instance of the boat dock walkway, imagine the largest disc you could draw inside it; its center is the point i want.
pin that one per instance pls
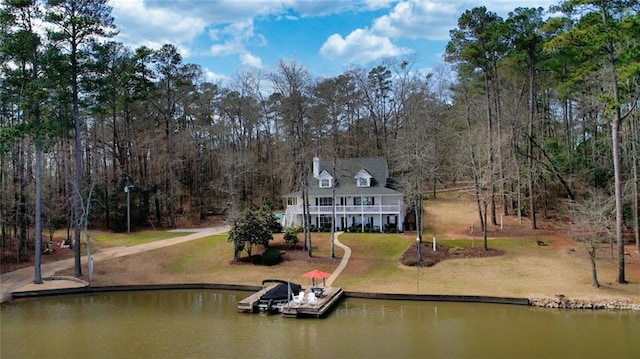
(250, 303)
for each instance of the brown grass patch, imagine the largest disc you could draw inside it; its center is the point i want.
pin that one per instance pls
(429, 257)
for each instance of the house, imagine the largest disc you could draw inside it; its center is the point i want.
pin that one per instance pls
(365, 199)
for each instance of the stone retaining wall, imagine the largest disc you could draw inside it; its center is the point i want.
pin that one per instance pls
(565, 303)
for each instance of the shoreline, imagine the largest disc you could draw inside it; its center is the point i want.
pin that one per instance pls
(60, 285)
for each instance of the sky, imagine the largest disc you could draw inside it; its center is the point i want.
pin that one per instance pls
(227, 37)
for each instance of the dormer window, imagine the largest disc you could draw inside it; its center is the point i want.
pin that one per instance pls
(325, 180)
(363, 178)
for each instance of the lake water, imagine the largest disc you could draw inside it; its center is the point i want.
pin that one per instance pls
(206, 324)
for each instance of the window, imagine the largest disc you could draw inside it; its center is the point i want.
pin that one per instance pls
(325, 201)
(363, 178)
(363, 201)
(325, 183)
(325, 221)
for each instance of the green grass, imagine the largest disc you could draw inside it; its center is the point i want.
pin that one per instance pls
(374, 257)
(199, 250)
(109, 239)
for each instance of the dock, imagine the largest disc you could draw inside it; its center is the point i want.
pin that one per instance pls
(331, 296)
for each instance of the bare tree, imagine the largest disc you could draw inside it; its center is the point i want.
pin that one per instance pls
(291, 81)
(593, 220)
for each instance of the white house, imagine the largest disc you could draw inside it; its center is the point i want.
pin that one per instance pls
(364, 197)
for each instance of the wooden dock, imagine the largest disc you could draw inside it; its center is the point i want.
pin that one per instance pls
(250, 303)
(331, 296)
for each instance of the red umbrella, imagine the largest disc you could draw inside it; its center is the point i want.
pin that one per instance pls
(316, 274)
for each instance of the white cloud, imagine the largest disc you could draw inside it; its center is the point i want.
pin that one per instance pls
(418, 19)
(359, 46)
(215, 77)
(228, 48)
(233, 38)
(378, 4)
(139, 23)
(250, 60)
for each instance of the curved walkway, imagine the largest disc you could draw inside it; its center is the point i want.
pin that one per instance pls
(22, 279)
(343, 262)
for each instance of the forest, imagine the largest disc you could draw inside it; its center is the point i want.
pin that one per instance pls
(536, 112)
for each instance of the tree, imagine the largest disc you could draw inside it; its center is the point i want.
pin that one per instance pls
(171, 76)
(291, 83)
(592, 223)
(471, 142)
(378, 99)
(332, 98)
(23, 47)
(524, 26)
(418, 109)
(603, 31)
(478, 43)
(112, 87)
(77, 23)
(252, 228)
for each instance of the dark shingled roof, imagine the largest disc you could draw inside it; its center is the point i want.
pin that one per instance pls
(345, 177)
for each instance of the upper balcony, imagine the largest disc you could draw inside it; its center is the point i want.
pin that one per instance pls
(353, 209)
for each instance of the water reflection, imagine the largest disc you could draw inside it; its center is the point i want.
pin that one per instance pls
(205, 323)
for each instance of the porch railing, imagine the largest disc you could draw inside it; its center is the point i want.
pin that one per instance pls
(352, 209)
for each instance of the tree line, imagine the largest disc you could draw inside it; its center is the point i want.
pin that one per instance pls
(534, 111)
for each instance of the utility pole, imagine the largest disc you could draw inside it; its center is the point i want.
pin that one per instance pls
(127, 190)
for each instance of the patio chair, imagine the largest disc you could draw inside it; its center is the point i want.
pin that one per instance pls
(311, 298)
(299, 299)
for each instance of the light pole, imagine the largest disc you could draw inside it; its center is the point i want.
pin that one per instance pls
(127, 190)
(418, 257)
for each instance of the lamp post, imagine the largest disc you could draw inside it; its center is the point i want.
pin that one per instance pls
(418, 257)
(127, 190)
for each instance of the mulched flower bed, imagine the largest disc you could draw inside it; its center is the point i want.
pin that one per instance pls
(430, 257)
(290, 253)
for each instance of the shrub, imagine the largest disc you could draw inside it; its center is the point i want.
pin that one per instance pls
(275, 226)
(428, 262)
(355, 229)
(291, 237)
(295, 229)
(271, 256)
(256, 259)
(410, 262)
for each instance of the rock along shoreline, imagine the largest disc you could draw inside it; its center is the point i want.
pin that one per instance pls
(562, 302)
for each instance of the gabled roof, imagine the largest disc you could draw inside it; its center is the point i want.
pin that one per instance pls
(363, 173)
(345, 174)
(325, 174)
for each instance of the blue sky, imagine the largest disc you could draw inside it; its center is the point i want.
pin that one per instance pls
(325, 36)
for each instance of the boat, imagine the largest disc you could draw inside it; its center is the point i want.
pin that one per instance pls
(278, 295)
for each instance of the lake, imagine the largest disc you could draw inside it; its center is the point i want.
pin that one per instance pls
(206, 324)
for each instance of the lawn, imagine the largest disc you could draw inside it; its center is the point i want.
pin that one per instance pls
(524, 270)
